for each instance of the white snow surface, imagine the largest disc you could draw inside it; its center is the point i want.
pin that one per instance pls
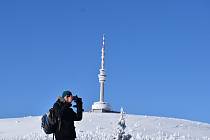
(103, 126)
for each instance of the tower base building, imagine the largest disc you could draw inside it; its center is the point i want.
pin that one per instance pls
(101, 107)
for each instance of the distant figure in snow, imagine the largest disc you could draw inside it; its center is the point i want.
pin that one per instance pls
(66, 116)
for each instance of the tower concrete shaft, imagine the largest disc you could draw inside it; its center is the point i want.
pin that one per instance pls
(102, 75)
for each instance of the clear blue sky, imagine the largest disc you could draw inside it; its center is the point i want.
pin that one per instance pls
(157, 55)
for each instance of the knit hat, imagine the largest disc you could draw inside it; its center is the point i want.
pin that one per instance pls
(67, 92)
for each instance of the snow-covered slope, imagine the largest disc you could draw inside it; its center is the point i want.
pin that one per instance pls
(97, 126)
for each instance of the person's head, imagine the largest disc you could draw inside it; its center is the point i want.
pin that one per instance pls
(67, 95)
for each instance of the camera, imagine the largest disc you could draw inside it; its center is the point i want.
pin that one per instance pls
(77, 99)
(78, 102)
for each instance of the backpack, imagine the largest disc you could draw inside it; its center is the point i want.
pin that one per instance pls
(49, 122)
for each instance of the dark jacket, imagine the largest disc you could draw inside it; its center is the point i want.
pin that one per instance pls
(66, 117)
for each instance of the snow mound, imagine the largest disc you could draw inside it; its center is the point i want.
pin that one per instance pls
(102, 126)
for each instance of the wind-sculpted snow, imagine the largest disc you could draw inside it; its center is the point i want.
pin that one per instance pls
(97, 126)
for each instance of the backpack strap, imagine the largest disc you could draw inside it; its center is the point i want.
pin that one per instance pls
(58, 106)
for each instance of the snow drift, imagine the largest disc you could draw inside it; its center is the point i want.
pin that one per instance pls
(103, 126)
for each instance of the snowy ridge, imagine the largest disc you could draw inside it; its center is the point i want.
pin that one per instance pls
(97, 126)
